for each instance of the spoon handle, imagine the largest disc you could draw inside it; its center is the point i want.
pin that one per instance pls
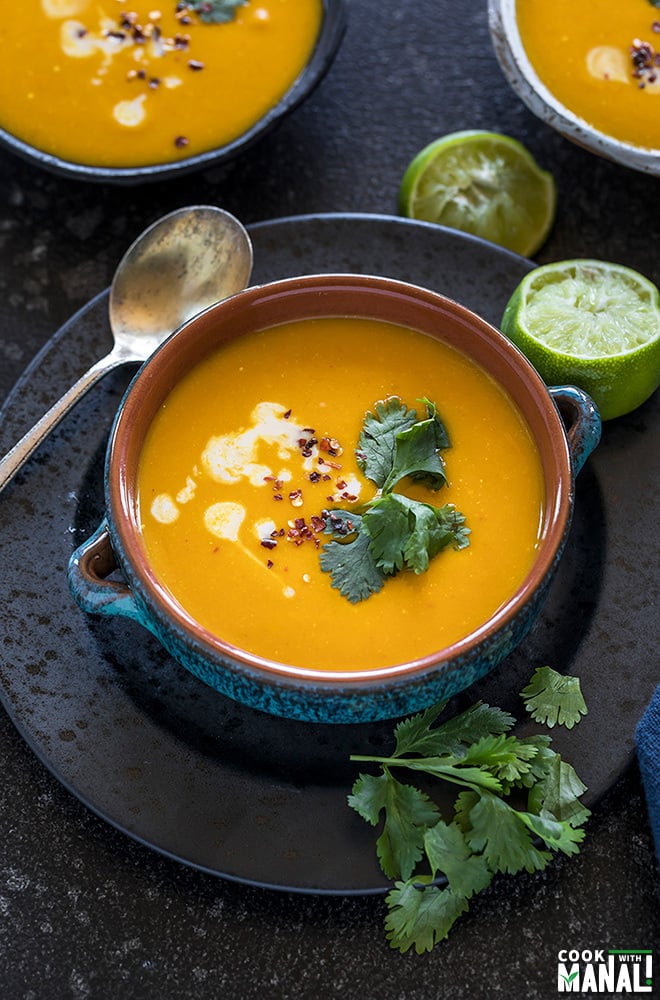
(19, 454)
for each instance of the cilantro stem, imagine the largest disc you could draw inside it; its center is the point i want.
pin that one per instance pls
(450, 771)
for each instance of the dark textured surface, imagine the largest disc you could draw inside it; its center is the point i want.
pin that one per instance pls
(87, 913)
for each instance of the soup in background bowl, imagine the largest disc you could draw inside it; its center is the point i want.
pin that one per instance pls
(253, 445)
(135, 92)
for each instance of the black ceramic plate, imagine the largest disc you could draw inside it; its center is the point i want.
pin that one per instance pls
(325, 50)
(229, 790)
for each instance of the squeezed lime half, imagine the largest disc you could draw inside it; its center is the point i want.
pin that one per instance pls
(482, 183)
(592, 324)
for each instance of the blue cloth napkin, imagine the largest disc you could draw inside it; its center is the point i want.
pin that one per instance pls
(647, 738)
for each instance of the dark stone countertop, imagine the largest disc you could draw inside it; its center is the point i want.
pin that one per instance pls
(86, 913)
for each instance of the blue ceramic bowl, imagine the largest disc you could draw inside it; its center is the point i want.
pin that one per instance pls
(325, 50)
(278, 688)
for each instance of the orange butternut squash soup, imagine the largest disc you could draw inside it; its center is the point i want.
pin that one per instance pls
(600, 60)
(262, 450)
(127, 83)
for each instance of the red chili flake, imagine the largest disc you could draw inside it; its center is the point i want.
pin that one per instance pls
(331, 445)
(118, 35)
(268, 543)
(318, 523)
(270, 564)
(315, 477)
(181, 141)
(655, 26)
(277, 496)
(287, 414)
(154, 82)
(142, 74)
(195, 64)
(296, 498)
(306, 445)
(277, 484)
(181, 41)
(643, 59)
(81, 32)
(341, 484)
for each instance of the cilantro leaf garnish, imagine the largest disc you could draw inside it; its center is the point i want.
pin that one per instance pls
(377, 443)
(553, 698)
(409, 533)
(496, 832)
(417, 452)
(213, 11)
(350, 562)
(393, 532)
(519, 803)
(408, 813)
(448, 851)
(420, 918)
(415, 735)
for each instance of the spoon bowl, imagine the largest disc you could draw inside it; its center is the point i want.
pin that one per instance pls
(180, 265)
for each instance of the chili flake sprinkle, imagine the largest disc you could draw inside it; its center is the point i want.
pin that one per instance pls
(645, 60)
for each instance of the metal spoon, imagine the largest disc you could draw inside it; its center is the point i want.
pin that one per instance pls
(181, 264)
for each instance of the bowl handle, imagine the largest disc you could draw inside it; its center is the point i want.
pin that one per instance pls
(582, 420)
(89, 567)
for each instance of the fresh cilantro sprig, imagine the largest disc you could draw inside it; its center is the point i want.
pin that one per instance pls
(519, 803)
(213, 11)
(393, 532)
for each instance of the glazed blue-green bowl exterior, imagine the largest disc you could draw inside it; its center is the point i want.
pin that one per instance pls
(333, 27)
(347, 696)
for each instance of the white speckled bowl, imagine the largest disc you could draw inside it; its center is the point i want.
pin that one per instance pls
(524, 81)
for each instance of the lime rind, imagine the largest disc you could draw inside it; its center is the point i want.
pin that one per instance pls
(483, 183)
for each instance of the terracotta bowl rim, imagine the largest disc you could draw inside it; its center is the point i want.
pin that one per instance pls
(123, 520)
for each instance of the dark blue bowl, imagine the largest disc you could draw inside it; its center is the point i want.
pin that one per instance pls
(325, 50)
(564, 440)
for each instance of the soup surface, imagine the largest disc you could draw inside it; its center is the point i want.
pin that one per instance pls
(224, 470)
(123, 83)
(598, 59)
